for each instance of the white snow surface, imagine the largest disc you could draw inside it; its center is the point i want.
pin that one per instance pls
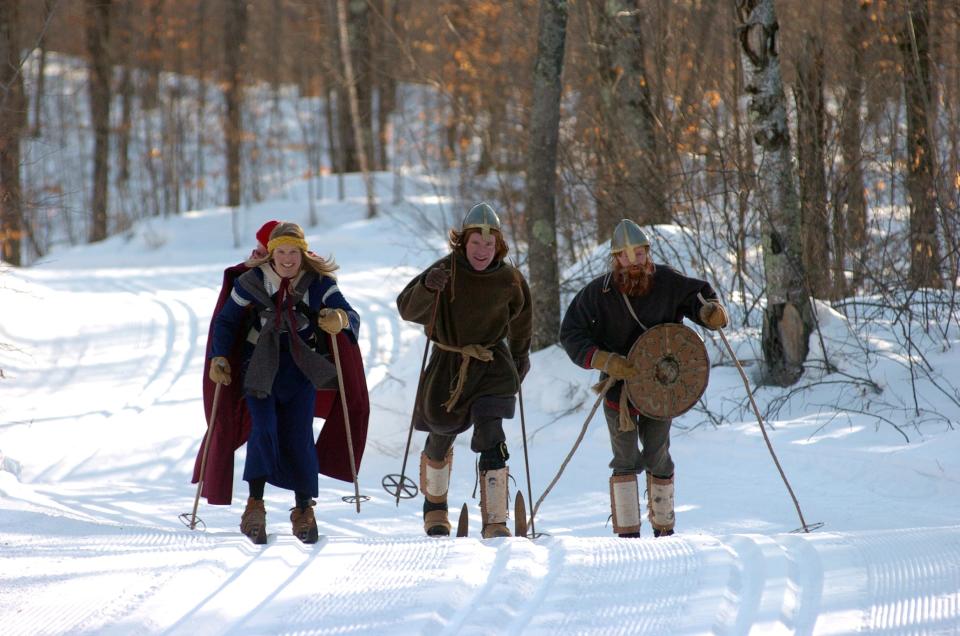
(101, 351)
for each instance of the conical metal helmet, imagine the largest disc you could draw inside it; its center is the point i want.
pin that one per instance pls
(626, 236)
(481, 216)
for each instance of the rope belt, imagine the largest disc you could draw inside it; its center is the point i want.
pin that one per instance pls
(478, 352)
(625, 421)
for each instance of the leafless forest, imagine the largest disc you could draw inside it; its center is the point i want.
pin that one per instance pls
(812, 147)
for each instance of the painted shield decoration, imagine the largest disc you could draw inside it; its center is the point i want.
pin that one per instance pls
(673, 369)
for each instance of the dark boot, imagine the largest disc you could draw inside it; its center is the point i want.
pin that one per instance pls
(304, 523)
(253, 523)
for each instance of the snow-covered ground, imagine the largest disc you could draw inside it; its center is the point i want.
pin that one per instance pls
(101, 351)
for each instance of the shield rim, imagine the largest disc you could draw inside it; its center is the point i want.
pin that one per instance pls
(694, 337)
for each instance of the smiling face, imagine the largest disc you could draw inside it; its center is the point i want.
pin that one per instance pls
(481, 250)
(287, 260)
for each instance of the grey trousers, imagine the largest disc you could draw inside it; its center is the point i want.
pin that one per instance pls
(645, 449)
(487, 434)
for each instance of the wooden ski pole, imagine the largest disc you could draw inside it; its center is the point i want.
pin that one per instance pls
(416, 397)
(206, 449)
(346, 420)
(526, 461)
(603, 391)
(763, 428)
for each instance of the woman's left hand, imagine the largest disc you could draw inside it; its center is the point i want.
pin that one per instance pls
(333, 321)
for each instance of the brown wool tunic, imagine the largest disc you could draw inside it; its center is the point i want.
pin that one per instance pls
(491, 308)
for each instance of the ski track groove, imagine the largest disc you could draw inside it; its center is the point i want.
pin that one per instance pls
(342, 592)
(899, 560)
(116, 597)
(515, 584)
(624, 587)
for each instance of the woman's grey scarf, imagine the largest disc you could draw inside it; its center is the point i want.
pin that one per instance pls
(265, 360)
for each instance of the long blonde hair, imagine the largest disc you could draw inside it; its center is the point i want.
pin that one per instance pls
(310, 261)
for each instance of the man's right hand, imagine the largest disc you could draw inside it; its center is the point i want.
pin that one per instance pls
(613, 364)
(436, 279)
(220, 370)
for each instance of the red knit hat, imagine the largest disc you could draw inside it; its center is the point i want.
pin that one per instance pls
(263, 234)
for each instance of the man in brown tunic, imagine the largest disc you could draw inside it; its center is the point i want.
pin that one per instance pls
(603, 321)
(476, 309)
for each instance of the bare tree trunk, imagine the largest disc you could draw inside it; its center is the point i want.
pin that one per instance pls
(850, 219)
(37, 129)
(630, 174)
(811, 138)
(235, 35)
(12, 123)
(788, 316)
(920, 102)
(98, 46)
(355, 107)
(150, 92)
(541, 222)
(124, 50)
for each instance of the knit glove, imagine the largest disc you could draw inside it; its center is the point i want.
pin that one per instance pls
(436, 279)
(523, 365)
(713, 315)
(332, 321)
(220, 370)
(613, 364)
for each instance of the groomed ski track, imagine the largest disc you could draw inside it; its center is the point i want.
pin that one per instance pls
(735, 584)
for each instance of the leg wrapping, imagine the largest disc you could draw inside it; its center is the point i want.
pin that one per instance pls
(625, 504)
(660, 503)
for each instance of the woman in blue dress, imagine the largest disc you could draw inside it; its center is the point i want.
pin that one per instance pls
(282, 307)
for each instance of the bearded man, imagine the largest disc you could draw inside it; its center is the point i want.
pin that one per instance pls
(600, 326)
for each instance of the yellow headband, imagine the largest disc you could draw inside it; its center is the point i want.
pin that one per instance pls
(286, 240)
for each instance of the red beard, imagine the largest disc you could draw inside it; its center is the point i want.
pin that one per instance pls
(633, 282)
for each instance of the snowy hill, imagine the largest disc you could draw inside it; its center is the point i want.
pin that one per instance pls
(101, 418)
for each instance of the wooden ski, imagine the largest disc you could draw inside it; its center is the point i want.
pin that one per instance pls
(463, 525)
(519, 516)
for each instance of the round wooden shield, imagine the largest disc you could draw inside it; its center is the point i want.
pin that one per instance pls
(673, 371)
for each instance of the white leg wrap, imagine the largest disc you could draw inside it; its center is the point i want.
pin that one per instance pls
(625, 503)
(493, 495)
(660, 502)
(435, 477)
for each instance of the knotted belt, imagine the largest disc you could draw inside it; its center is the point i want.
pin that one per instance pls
(624, 419)
(474, 351)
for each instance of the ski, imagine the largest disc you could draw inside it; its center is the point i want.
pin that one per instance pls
(519, 516)
(463, 524)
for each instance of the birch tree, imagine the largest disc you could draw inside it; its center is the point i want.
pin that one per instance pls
(788, 316)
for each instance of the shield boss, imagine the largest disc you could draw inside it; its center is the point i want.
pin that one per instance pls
(673, 371)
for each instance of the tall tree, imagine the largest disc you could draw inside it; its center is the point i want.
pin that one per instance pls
(235, 36)
(352, 97)
(918, 90)
(12, 122)
(850, 222)
(788, 315)
(40, 91)
(98, 47)
(540, 212)
(630, 181)
(811, 140)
